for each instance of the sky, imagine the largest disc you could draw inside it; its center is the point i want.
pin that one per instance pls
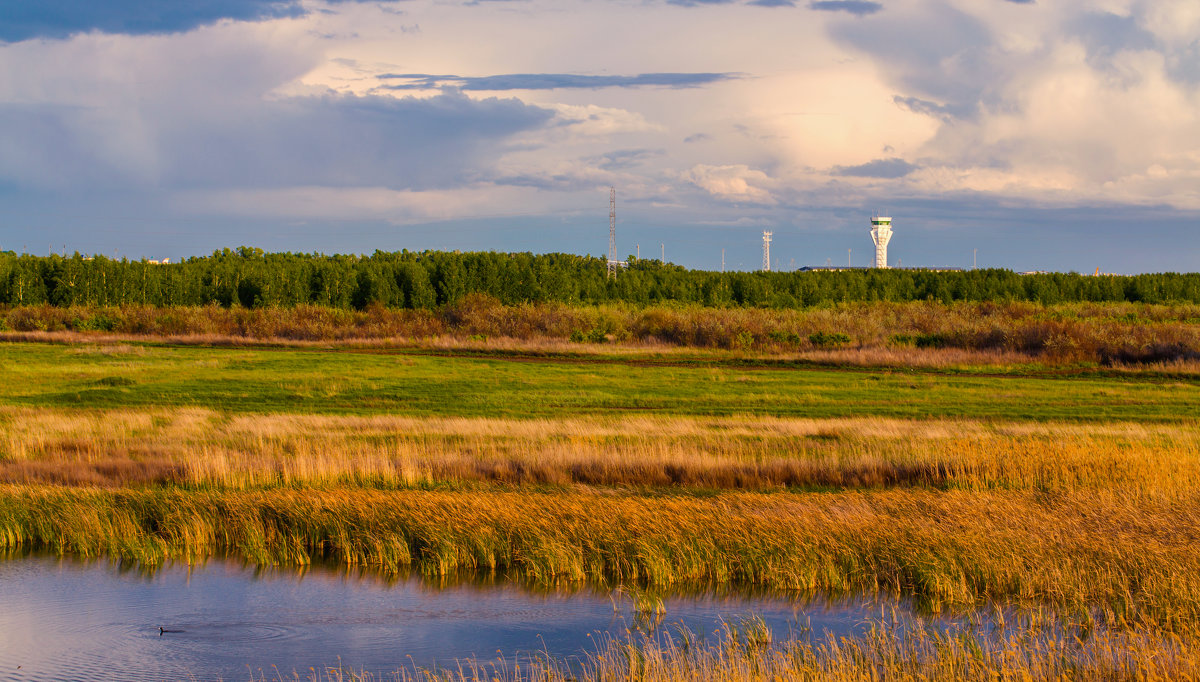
(1026, 134)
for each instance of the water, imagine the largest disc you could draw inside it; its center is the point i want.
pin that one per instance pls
(66, 619)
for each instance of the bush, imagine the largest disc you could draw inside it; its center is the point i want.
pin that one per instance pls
(784, 336)
(829, 339)
(920, 340)
(97, 323)
(593, 335)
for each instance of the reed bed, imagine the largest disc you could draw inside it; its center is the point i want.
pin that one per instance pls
(202, 449)
(1134, 561)
(884, 653)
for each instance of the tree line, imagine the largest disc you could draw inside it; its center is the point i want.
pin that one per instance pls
(250, 277)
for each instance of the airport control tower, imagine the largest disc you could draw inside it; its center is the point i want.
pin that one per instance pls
(881, 234)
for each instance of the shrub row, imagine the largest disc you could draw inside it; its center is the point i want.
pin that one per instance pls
(1108, 333)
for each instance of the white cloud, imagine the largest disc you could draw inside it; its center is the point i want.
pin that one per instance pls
(736, 182)
(591, 119)
(1176, 22)
(1047, 116)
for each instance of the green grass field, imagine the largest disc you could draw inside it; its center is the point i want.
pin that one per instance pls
(414, 383)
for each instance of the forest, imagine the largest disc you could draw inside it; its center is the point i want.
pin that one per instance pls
(249, 277)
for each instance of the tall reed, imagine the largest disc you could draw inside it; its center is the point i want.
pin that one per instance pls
(1134, 559)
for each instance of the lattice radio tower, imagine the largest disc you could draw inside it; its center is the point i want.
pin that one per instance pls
(767, 250)
(612, 232)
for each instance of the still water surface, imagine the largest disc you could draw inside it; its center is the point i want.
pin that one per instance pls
(64, 619)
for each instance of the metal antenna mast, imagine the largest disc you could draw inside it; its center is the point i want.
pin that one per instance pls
(767, 250)
(612, 232)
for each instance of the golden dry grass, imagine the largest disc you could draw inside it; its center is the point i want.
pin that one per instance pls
(202, 448)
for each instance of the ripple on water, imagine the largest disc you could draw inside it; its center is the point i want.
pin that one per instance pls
(66, 619)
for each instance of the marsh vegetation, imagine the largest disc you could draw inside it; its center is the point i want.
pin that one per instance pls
(963, 477)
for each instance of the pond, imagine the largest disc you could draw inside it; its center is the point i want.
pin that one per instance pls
(69, 619)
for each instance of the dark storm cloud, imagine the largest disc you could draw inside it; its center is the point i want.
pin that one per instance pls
(24, 19)
(343, 140)
(331, 141)
(551, 81)
(885, 169)
(855, 7)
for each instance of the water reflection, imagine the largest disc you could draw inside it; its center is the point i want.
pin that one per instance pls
(99, 619)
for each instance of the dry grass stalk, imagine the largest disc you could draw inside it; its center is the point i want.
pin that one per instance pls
(200, 448)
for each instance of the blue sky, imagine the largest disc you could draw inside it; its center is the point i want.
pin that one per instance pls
(1048, 135)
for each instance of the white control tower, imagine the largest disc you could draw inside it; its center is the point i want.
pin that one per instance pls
(881, 234)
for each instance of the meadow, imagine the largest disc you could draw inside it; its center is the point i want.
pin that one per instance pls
(434, 382)
(1021, 483)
